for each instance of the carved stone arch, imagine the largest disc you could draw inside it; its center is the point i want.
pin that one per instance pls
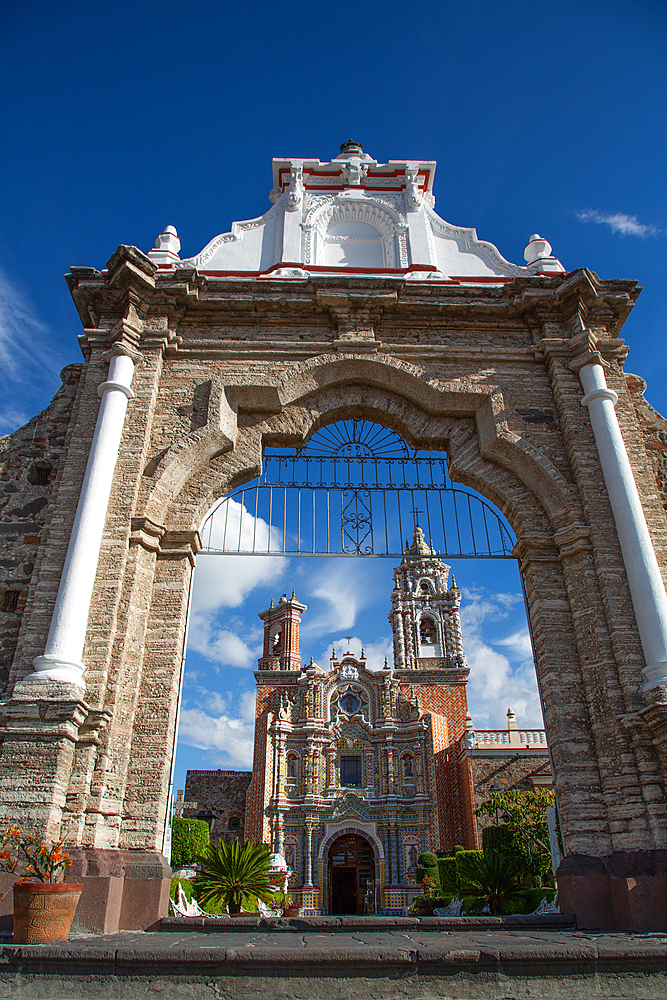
(471, 426)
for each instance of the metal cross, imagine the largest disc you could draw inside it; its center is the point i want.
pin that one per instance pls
(415, 511)
(349, 640)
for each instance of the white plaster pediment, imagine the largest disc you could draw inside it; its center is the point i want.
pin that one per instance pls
(351, 214)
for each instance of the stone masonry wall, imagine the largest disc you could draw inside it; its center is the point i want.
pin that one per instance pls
(222, 793)
(510, 771)
(30, 459)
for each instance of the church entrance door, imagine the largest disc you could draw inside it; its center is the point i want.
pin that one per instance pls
(351, 869)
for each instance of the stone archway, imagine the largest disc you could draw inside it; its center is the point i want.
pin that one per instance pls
(335, 832)
(489, 375)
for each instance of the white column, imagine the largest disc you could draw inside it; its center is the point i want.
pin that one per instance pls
(641, 565)
(61, 660)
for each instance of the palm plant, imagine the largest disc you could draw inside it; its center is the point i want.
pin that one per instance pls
(489, 880)
(233, 873)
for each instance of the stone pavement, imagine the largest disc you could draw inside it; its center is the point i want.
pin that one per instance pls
(397, 964)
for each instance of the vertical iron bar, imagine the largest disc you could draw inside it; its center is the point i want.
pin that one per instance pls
(472, 527)
(386, 532)
(328, 542)
(298, 520)
(224, 537)
(241, 518)
(270, 515)
(400, 522)
(456, 518)
(254, 529)
(442, 514)
(312, 493)
(284, 515)
(428, 519)
(486, 529)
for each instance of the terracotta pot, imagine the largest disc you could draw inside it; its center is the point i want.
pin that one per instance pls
(43, 911)
(291, 911)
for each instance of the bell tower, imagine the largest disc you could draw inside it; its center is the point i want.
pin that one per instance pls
(425, 617)
(281, 635)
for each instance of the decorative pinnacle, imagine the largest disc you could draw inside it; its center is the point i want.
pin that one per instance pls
(293, 594)
(363, 654)
(333, 653)
(349, 640)
(351, 147)
(386, 663)
(271, 604)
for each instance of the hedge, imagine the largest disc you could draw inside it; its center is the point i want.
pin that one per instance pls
(497, 838)
(189, 837)
(449, 881)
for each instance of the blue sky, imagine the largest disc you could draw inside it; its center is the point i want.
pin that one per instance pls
(119, 119)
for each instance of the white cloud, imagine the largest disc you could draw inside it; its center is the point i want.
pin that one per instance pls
(229, 736)
(25, 353)
(220, 645)
(498, 680)
(619, 222)
(346, 587)
(226, 581)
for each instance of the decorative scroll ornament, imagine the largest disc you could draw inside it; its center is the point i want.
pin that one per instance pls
(354, 172)
(295, 189)
(412, 193)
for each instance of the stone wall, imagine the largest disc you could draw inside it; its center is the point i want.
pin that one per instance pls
(222, 793)
(30, 460)
(511, 771)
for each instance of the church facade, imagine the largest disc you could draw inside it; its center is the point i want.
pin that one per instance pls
(356, 772)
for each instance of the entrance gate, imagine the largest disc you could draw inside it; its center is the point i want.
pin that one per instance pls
(354, 490)
(351, 871)
(516, 374)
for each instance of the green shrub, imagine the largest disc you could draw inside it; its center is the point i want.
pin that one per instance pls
(421, 874)
(497, 838)
(428, 860)
(189, 837)
(456, 849)
(449, 881)
(462, 857)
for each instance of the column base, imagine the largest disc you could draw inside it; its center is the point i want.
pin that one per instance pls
(626, 891)
(55, 668)
(122, 890)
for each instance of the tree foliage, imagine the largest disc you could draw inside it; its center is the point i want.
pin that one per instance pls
(234, 872)
(189, 837)
(524, 814)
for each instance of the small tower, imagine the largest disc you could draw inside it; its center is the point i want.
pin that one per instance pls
(424, 613)
(281, 635)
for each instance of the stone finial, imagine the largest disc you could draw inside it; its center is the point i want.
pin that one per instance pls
(283, 599)
(293, 594)
(386, 663)
(538, 256)
(537, 247)
(333, 653)
(511, 719)
(363, 654)
(167, 247)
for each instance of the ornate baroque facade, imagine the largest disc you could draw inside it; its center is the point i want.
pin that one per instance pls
(347, 752)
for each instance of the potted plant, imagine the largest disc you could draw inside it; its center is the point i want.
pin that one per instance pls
(233, 873)
(282, 898)
(44, 906)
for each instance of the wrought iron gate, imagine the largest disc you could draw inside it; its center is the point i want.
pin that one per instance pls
(354, 489)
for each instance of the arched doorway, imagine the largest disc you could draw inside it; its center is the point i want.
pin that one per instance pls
(351, 874)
